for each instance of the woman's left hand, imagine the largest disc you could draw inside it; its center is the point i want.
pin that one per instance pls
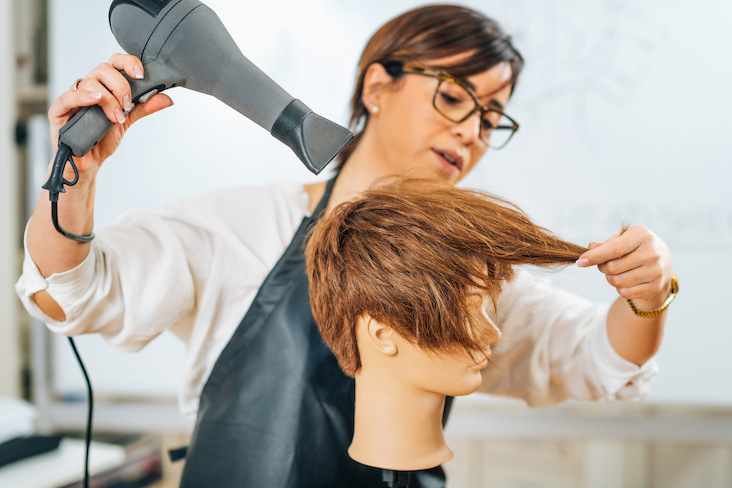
(637, 263)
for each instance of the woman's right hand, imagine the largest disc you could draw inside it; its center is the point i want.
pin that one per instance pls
(107, 87)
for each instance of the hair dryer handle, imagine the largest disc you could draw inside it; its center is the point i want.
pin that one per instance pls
(90, 124)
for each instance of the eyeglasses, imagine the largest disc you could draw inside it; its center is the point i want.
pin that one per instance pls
(456, 101)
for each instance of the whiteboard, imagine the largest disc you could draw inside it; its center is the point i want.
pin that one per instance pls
(624, 111)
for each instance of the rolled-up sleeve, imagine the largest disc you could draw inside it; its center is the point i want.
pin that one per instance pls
(129, 298)
(555, 347)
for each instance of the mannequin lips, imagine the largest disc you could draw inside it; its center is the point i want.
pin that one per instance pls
(484, 362)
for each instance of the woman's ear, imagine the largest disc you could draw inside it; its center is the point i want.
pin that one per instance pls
(381, 337)
(374, 83)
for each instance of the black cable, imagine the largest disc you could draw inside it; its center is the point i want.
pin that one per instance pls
(69, 235)
(55, 185)
(90, 412)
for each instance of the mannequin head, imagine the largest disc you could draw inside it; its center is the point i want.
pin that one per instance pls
(399, 278)
(450, 371)
(419, 258)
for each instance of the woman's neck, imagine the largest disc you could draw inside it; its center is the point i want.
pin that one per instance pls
(363, 168)
(397, 427)
(355, 177)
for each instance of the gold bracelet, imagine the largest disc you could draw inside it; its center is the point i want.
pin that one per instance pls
(657, 311)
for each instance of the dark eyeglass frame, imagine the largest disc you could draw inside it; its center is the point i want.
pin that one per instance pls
(396, 68)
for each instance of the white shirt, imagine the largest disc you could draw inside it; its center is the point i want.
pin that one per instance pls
(194, 268)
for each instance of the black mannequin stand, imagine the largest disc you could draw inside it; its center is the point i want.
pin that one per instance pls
(395, 479)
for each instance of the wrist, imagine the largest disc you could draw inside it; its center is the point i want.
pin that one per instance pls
(649, 308)
(655, 301)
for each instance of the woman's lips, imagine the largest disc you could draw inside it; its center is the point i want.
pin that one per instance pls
(450, 159)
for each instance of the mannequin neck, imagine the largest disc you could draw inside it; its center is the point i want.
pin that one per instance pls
(396, 427)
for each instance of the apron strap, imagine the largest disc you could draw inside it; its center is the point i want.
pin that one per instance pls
(178, 453)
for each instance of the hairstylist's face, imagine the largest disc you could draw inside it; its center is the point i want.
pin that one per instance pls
(411, 137)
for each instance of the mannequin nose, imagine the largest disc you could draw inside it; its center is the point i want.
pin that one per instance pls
(495, 332)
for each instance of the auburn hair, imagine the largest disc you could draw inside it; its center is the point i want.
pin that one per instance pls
(408, 253)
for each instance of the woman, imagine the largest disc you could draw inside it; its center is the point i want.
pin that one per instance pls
(274, 409)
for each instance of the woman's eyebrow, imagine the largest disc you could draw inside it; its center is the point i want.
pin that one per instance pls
(491, 102)
(496, 104)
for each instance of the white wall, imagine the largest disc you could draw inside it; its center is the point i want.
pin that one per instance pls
(624, 111)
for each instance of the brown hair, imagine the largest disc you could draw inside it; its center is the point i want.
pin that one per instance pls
(408, 253)
(429, 33)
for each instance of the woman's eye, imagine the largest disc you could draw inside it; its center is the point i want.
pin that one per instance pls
(487, 124)
(449, 99)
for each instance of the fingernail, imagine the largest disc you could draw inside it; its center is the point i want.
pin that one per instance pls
(138, 72)
(119, 116)
(583, 262)
(126, 102)
(94, 95)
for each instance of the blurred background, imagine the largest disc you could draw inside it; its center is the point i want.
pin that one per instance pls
(624, 111)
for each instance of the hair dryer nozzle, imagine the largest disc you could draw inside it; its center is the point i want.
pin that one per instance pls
(315, 139)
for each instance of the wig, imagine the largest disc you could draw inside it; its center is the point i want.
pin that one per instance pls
(408, 253)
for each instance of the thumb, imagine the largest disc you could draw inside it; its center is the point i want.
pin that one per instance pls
(155, 104)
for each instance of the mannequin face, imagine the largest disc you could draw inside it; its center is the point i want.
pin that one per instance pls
(451, 372)
(408, 135)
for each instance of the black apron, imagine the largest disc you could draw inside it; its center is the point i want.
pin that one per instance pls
(277, 411)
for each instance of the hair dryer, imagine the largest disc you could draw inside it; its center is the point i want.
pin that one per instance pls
(183, 43)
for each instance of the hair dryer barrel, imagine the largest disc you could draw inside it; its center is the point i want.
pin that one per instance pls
(201, 49)
(186, 37)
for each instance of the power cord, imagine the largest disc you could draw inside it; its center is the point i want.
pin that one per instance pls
(90, 411)
(55, 185)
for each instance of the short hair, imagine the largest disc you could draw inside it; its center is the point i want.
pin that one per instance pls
(408, 252)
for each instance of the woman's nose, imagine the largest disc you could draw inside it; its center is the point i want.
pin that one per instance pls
(469, 129)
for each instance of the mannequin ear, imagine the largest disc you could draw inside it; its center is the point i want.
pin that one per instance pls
(374, 82)
(382, 337)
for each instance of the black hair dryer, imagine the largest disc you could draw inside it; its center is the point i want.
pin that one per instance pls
(183, 43)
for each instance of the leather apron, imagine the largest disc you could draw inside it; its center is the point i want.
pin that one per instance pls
(277, 411)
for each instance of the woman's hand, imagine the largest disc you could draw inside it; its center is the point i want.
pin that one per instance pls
(107, 87)
(637, 263)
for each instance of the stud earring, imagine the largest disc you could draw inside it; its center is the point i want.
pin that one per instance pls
(374, 108)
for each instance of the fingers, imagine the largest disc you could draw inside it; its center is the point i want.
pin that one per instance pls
(108, 80)
(637, 263)
(615, 247)
(116, 94)
(641, 282)
(129, 64)
(156, 103)
(69, 101)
